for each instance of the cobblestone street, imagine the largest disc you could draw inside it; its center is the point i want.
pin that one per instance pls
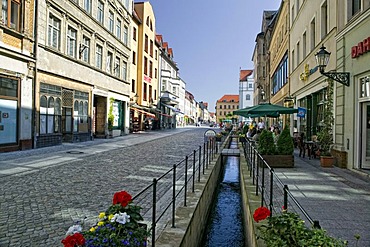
(44, 191)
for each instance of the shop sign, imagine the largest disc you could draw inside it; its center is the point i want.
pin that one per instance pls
(147, 79)
(361, 48)
(301, 112)
(307, 72)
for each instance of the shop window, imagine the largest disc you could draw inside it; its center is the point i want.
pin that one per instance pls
(8, 87)
(365, 87)
(50, 114)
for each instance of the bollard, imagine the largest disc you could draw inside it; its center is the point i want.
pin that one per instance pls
(200, 157)
(186, 179)
(154, 209)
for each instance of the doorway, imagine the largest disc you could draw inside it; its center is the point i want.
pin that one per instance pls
(365, 129)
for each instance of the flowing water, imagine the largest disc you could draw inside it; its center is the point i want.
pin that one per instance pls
(225, 226)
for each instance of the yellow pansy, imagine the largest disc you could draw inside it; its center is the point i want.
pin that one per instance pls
(110, 216)
(92, 229)
(101, 215)
(100, 223)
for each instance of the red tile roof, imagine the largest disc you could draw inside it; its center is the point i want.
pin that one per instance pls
(229, 98)
(244, 74)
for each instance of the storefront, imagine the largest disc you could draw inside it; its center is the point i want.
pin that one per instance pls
(15, 105)
(353, 139)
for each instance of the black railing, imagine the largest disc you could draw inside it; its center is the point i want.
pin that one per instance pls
(172, 188)
(274, 193)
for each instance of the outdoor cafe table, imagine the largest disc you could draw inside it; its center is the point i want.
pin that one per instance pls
(309, 145)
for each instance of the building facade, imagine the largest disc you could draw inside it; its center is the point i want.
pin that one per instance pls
(144, 115)
(225, 107)
(17, 74)
(352, 103)
(279, 63)
(82, 87)
(246, 90)
(312, 25)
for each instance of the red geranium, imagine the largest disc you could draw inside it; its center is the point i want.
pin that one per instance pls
(261, 213)
(122, 198)
(74, 240)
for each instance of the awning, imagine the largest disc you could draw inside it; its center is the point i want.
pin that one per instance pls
(166, 115)
(174, 109)
(142, 111)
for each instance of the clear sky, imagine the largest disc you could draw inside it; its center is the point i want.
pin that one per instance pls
(211, 41)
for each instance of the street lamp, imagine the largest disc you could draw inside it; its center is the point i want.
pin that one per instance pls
(322, 59)
(134, 99)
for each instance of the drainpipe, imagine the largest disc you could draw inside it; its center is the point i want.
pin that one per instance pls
(35, 76)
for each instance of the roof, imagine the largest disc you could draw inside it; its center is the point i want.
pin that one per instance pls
(244, 74)
(229, 98)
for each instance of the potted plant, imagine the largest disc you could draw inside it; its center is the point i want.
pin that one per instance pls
(288, 229)
(119, 225)
(110, 116)
(284, 150)
(325, 135)
(266, 145)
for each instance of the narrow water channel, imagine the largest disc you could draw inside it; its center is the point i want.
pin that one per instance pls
(225, 226)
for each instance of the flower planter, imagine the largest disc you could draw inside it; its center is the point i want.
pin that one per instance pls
(326, 161)
(279, 161)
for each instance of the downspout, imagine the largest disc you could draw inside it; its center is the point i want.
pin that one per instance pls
(35, 76)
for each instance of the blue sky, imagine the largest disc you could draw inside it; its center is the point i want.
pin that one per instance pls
(211, 41)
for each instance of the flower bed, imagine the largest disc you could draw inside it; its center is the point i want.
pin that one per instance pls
(117, 226)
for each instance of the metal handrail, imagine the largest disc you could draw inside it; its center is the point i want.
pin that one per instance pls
(256, 163)
(179, 172)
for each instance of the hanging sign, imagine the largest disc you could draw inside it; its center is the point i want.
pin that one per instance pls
(301, 112)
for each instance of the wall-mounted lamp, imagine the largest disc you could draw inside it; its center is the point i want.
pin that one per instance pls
(134, 99)
(322, 59)
(81, 49)
(262, 92)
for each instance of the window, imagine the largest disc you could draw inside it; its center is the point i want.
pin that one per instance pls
(248, 97)
(111, 21)
(151, 48)
(133, 86)
(71, 42)
(100, 12)
(293, 13)
(54, 32)
(133, 57)
(151, 69)
(164, 82)
(145, 91)
(134, 31)
(118, 29)
(87, 6)
(50, 114)
(125, 35)
(324, 20)
(10, 13)
(298, 57)
(279, 78)
(293, 65)
(127, 4)
(85, 48)
(124, 71)
(147, 21)
(304, 45)
(364, 87)
(250, 85)
(98, 56)
(146, 43)
(109, 62)
(228, 107)
(174, 90)
(80, 110)
(8, 87)
(220, 106)
(145, 66)
(313, 34)
(356, 6)
(117, 65)
(150, 92)
(155, 73)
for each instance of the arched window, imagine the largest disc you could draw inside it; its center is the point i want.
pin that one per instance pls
(248, 97)
(50, 115)
(151, 26)
(76, 117)
(147, 21)
(43, 113)
(57, 115)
